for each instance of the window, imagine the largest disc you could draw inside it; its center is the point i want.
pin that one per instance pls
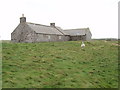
(78, 33)
(59, 37)
(48, 37)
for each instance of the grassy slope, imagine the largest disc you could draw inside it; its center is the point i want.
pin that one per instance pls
(60, 64)
(0, 64)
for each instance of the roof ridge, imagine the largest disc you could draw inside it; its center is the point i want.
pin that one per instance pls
(41, 25)
(77, 29)
(38, 24)
(57, 30)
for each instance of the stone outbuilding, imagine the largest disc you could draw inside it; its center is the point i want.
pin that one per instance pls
(31, 32)
(79, 34)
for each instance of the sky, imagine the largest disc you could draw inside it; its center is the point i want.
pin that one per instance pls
(101, 16)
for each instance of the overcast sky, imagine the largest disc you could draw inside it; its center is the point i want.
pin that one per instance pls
(101, 16)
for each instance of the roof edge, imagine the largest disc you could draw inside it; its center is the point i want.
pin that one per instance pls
(40, 24)
(77, 29)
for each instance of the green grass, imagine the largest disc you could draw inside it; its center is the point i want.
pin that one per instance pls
(60, 65)
(0, 64)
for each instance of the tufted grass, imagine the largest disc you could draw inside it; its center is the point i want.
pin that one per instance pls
(60, 65)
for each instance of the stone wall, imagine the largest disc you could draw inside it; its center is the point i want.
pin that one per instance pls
(76, 38)
(50, 38)
(88, 36)
(22, 34)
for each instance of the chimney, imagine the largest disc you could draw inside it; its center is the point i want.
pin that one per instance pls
(52, 24)
(22, 19)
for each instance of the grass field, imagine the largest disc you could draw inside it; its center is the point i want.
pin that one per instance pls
(60, 65)
(0, 64)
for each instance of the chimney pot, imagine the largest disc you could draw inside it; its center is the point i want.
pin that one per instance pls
(22, 15)
(22, 19)
(52, 24)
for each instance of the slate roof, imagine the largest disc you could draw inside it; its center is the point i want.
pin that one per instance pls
(76, 32)
(62, 31)
(44, 29)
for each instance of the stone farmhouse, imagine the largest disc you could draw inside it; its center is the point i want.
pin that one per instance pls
(31, 32)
